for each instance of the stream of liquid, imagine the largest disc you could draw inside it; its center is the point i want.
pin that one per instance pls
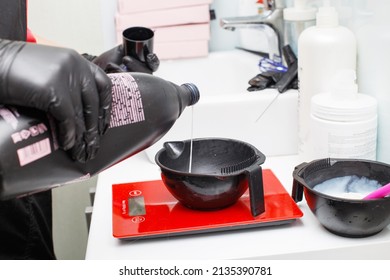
(191, 142)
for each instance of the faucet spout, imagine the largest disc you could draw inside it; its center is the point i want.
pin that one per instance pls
(271, 18)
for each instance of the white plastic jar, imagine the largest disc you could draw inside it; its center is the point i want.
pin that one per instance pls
(343, 122)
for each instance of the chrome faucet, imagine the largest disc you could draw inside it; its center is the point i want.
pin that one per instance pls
(272, 17)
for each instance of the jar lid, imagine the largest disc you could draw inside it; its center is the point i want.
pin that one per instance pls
(326, 107)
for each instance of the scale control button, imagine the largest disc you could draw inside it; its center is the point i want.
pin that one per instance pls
(138, 219)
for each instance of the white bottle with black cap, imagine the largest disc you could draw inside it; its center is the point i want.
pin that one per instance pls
(322, 50)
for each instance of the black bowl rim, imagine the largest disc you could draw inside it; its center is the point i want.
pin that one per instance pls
(259, 160)
(336, 198)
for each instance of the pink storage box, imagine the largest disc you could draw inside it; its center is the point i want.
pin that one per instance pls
(187, 32)
(136, 6)
(179, 16)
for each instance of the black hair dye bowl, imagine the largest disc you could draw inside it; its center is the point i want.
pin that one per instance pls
(207, 185)
(348, 217)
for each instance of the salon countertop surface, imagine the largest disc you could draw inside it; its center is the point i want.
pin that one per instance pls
(303, 238)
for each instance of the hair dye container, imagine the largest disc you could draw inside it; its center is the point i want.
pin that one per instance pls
(144, 108)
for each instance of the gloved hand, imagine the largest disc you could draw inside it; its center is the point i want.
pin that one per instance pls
(75, 92)
(114, 61)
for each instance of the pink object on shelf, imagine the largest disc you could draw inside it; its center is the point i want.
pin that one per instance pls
(187, 32)
(136, 6)
(183, 49)
(379, 193)
(179, 16)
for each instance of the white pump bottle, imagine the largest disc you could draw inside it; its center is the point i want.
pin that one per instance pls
(322, 50)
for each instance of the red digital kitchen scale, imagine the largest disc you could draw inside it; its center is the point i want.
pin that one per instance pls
(148, 210)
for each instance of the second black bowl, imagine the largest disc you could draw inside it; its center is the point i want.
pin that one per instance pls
(343, 216)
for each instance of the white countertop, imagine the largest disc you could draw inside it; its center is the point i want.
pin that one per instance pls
(304, 238)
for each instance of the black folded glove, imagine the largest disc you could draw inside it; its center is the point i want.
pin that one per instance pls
(75, 92)
(115, 61)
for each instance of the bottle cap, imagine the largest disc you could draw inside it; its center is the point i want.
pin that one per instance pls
(195, 95)
(299, 12)
(327, 16)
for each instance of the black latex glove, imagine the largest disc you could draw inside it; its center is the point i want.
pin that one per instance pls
(114, 61)
(59, 81)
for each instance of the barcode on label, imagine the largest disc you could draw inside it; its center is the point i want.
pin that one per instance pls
(34, 152)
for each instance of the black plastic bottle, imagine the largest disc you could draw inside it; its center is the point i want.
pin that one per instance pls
(144, 108)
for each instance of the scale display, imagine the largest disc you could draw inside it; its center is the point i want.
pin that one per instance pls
(136, 206)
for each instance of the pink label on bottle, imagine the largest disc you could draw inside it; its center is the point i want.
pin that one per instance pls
(32, 131)
(9, 117)
(127, 105)
(34, 152)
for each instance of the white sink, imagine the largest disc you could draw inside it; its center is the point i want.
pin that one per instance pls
(226, 109)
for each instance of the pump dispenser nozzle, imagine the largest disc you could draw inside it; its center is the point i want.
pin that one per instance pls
(327, 16)
(299, 12)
